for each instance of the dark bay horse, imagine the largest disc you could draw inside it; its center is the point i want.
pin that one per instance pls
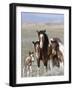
(43, 45)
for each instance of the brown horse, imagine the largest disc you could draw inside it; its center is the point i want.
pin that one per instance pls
(43, 45)
(37, 54)
(37, 51)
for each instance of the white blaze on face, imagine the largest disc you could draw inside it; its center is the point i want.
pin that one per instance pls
(53, 52)
(41, 41)
(37, 51)
(37, 56)
(32, 57)
(50, 41)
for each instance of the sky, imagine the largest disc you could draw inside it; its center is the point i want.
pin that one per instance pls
(28, 17)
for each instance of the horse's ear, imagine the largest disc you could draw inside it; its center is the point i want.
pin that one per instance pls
(52, 41)
(33, 42)
(38, 42)
(37, 31)
(45, 30)
(29, 53)
(32, 52)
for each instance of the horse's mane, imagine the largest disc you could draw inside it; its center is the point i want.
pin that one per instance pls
(46, 42)
(58, 40)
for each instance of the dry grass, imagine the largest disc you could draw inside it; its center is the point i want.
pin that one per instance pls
(28, 34)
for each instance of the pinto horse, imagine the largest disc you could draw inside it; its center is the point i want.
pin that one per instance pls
(43, 45)
(57, 51)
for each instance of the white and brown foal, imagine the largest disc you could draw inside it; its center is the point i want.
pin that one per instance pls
(28, 64)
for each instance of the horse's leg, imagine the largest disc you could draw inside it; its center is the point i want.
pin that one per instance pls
(30, 68)
(38, 68)
(28, 71)
(62, 62)
(51, 63)
(23, 71)
(58, 63)
(54, 62)
(45, 66)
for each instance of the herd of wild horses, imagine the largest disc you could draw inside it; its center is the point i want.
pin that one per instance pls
(45, 50)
